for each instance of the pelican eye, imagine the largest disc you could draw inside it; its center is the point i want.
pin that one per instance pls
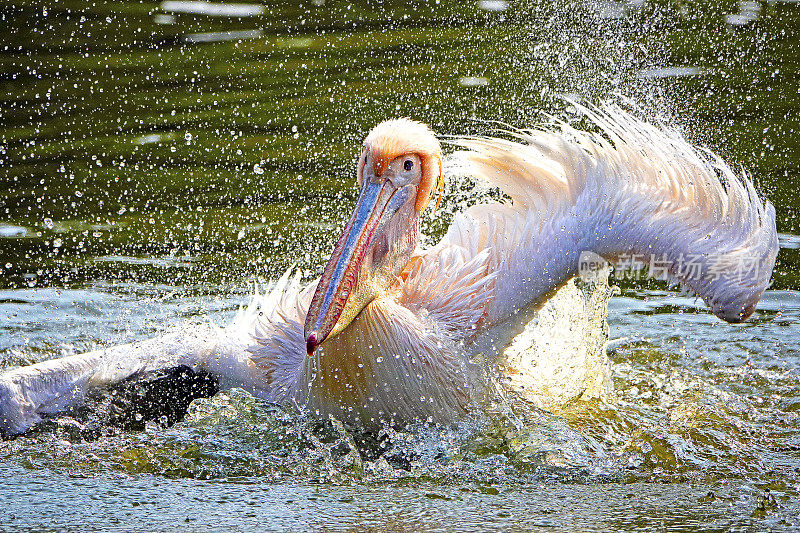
(408, 165)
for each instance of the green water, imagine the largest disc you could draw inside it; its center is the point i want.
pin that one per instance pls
(153, 163)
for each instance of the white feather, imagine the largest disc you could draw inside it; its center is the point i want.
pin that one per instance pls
(631, 188)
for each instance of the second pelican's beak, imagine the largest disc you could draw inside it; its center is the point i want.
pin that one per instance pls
(343, 291)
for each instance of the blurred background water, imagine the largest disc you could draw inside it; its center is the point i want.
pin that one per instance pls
(155, 158)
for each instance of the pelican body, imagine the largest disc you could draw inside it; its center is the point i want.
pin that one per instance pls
(391, 333)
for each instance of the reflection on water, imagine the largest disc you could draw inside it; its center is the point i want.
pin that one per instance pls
(212, 9)
(154, 158)
(748, 12)
(671, 72)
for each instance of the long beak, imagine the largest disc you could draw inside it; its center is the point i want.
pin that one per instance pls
(340, 277)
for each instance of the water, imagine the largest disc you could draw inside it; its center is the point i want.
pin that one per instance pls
(155, 159)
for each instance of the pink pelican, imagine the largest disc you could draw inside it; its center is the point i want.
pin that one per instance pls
(389, 332)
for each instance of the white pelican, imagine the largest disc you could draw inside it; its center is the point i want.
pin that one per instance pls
(388, 331)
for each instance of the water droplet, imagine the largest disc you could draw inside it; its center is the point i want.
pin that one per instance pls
(48, 223)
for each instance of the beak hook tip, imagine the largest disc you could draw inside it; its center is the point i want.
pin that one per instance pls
(311, 344)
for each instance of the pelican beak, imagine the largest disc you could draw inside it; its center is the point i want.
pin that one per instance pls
(340, 294)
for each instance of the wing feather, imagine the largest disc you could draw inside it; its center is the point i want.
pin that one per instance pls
(630, 188)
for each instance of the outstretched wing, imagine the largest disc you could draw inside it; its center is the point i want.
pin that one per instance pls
(31, 392)
(631, 188)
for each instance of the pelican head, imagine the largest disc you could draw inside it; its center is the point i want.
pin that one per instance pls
(398, 169)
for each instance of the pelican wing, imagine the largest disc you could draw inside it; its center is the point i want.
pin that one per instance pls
(631, 190)
(264, 328)
(31, 392)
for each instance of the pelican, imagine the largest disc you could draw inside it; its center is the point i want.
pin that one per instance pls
(390, 332)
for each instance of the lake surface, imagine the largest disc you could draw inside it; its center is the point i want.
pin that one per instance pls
(155, 159)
